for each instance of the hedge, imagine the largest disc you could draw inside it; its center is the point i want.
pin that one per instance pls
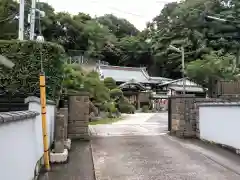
(24, 77)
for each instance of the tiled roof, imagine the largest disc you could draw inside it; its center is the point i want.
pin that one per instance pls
(124, 74)
(187, 89)
(159, 80)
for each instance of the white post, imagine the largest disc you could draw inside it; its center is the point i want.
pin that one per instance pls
(183, 69)
(32, 23)
(21, 20)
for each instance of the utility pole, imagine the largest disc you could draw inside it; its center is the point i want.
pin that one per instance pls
(183, 64)
(21, 20)
(32, 20)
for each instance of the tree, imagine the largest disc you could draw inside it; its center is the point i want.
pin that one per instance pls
(184, 24)
(110, 83)
(8, 23)
(119, 27)
(212, 67)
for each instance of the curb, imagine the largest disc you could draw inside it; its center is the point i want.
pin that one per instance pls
(94, 169)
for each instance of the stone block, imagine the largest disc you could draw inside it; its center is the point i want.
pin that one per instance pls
(78, 123)
(59, 157)
(67, 144)
(59, 146)
(59, 127)
(78, 117)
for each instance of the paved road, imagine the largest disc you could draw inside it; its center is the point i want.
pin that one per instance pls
(147, 124)
(140, 149)
(79, 167)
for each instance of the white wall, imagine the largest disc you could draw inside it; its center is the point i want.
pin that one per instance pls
(35, 106)
(22, 145)
(220, 124)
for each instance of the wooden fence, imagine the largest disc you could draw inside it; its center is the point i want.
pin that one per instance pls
(226, 87)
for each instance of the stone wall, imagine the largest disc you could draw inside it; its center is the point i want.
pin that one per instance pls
(78, 116)
(185, 115)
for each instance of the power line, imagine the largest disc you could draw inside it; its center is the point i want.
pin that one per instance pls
(126, 12)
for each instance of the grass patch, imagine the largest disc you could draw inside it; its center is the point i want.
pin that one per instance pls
(105, 121)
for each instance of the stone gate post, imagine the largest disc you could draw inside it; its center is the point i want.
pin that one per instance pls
(78, 116)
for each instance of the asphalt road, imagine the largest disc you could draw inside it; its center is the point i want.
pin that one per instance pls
(79, 166)
(154, 155)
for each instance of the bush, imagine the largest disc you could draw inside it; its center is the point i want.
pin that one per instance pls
(98, 92)
(145, 108)
(110, 83)
(116, 93)
(27, 58)
(126, 108)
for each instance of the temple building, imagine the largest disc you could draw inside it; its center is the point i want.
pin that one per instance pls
(142, 89)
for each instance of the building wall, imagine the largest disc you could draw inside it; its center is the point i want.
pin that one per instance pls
(22, 142)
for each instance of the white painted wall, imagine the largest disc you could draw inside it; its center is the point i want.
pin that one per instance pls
(220, 124)
(36, 106)
(22, 145)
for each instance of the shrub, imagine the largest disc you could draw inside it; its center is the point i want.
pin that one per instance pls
(98, 92)
(72, 78)
(145, 108)
(110, 83)
(126, 108)
(27, 58)
(116, 93)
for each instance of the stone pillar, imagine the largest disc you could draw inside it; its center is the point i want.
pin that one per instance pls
(64, 111)
(59, 134)
(138, 101)
(78, 116)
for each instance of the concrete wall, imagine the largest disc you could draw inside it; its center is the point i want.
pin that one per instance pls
(34, 105)
(22, 142)
(219, 123)
(21, 145)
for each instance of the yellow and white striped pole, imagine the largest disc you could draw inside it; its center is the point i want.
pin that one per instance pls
(44, 120)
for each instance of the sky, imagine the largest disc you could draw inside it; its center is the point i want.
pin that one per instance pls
(138, 12)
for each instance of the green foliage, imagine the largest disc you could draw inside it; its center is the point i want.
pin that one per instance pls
(145, 108)
(98, 92)
(110, 107)
(119, 27)
(110, 83)
(124, 106)
(27, 58)
(183, 24)
(75, 78)
(116, 93)
(118, 42)
(211, 67)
